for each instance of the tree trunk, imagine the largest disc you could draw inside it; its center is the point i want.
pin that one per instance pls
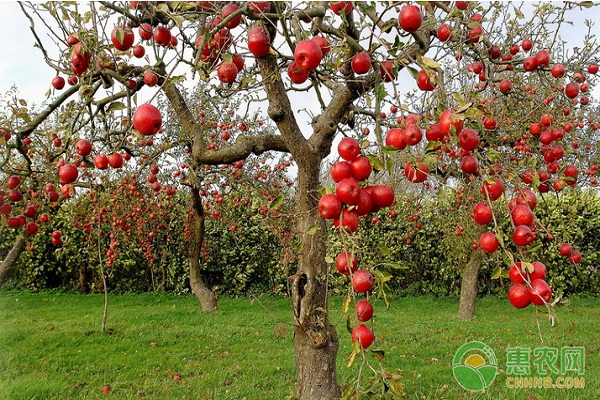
(468, 287)
(10, 261)
(206, 297)
(315, 341)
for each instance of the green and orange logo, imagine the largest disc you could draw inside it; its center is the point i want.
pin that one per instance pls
(475, 366)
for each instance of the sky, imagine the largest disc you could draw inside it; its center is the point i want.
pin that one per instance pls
(22, 64)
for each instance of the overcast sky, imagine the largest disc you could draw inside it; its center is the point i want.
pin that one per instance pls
(22, 65)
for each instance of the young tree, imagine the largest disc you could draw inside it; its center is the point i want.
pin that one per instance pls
(344, 58)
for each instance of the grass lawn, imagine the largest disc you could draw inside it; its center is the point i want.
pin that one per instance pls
(51, 347)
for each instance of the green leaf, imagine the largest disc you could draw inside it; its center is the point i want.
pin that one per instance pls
(116, 106)
(497, 273)
(277, 202)
(346, 304)
(428, 62)
(384, 250)
(518, 13)
(313, 229)
(413, 72)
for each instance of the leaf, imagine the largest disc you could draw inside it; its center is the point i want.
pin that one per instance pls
(355, 352)
(378, 354)
(349, 325)
(429, 62)
(527, 267)
(384, 250)
(497, 273)
(375, 162)
(277, 202)
(346, 304)
(493, 156)
(313, 229)
(518, 13)
(116, 106)
(413, 72)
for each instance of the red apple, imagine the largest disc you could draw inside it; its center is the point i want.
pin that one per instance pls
(297, 75)
(162, 36)
(523, 236)
(115, 160)
(122, 38)
(521, 215)
(227, 72)
(518, 295)
(83, 148)
(412, 134)
(410, 18)
(347, 190)
(258, 41)
(382, 195)
(516, 273)
(363, 335)
(362, 280)
(340, 170)
(58, 82)
(101, 161)
(348, 222)
(308, 55)
(330, 206)
(539, 292)
(348, 148)
(361, 168)
(361, 63)
(488, 242)
(468, 139)
(346, 262)
(68, 173)
(229, 9)
(395, 139)
(147, 119)
(363, 310)
(482, 214)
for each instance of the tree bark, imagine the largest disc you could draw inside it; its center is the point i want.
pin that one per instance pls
(206, 297)
(10, 261)
(468, 287)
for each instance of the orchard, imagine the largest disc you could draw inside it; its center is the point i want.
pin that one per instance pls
(348, 108)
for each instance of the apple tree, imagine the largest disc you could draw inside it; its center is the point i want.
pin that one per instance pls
(323, 71)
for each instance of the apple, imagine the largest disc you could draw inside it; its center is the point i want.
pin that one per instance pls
(297, 75)
(410, 18)
(492, 188)
(539, 271)
(449, 124)
(363, 335)
(176, 377)
(565, 249)
(227, 72)
(122, 38)
(347, 190)
(115, 160)
(571, 90)
(150, 79)
(469, 164)
(482, 214)
(505, 86)
(521, 215)
(593, 69)
(348, 222)
(259, 7)
(362, 281)
(330, 206)
(516, 273)
(308, 55)
(542, 58)
(412, 134)
(340, 170)
(323, 44)
(363, 310)
(31, 228)
(386, 69)
(361, 63)
(101, 161)
(395, 139)
(416, 174)
(58, 82)
(444, 32)
(557, 71)
(258, 41)
(106, 388)
(424, 81)
(539, 292)
(147, 119)
(83, 147)
(346, 262)
(162, 36)
(68, 174)
(341, 7)
(518, 295)
(488, 242)
(523, 236)
(348, 148)
(5, 208)
(238, 61)
(13, 181)
(530, 64)
(145, 31)
(361, 168)
(365, 202)
(468, 139)
(382, 195)
(575, 257)
(229, 9)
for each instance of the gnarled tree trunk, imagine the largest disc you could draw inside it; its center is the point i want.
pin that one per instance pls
(468, 287)
(10, 261)
(206, 297)
(315, 339)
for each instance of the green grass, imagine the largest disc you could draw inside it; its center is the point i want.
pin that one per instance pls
(51, 346)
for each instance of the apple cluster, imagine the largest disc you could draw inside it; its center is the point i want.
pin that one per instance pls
(345, 207)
